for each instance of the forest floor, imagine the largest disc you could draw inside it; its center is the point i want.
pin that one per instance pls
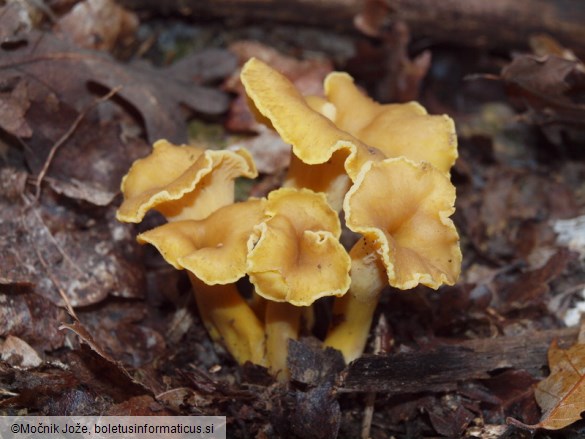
(93, 323)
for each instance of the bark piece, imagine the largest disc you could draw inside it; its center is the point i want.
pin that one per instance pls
(441, 368)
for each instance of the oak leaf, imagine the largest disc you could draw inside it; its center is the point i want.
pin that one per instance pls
(158, 95)
(562, 394)
(549, 87)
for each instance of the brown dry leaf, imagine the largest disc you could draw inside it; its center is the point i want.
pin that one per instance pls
(70, 73)
(120, 328)
(98, 24)
(550, 87)
(544, 44)
(507, 393)
(14, 104)
(562, 394)
(19, 353)
(386, 65)
(12, 183)
(499, 212)
(88, 385)
(63, 252)
(372, 19)
(530, 288)
(79, 329)
(17, 18)
(546, 79)
(448, 415)
(30, 317)
(86, 167)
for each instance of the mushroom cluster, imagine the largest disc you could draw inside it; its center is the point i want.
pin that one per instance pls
(383, 168)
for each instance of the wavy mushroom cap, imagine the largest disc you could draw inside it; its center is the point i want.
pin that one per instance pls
(329, 177)
(182, 182)
(214, 249)
(395, 129)
(403, 208)
(314, 138)
(295, 255)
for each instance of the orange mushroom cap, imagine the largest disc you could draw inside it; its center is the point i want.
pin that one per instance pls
(314, 138)
(395, 129)
(329, 177)
(295, 255)
(214, 249)
(336, 136)
(402, 208)
(182, 182)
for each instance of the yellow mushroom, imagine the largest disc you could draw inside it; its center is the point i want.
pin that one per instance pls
(182, 182)
(294, 259)
(207, 234)
(333, 137)
(398, 130)
(398, 158)
(305, 125)
(401, 208)
(213, 250)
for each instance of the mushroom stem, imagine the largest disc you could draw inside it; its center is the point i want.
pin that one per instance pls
(230, 321)
(282, 323)
(353, 312)
(258, 305)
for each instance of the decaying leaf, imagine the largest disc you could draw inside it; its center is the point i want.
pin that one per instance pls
(545, 44)
(510, 200)
(14, 104)
(397, 76)
(449, 416)
(550, 87)
(30, 317)
(562, 394)
(120, 328)
(530, 287)
(549, 79)
(69, 72)
(66, 255)
(17, 17)
(86, 167)
(19, 353)
(142, 380)
(141, 405)
(89, 385)
(98, 24)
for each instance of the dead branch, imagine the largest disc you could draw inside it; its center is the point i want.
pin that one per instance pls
(441, 368)
(497, 23)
